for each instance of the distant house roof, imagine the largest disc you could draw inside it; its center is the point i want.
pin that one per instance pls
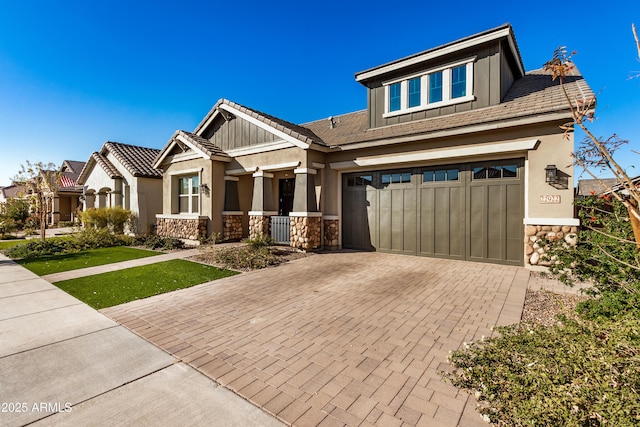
(594, 187)
(69, 173)
(137, 160)
(532, 98)
(13, 191)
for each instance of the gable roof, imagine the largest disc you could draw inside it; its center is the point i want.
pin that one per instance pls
(299, 135)
(503, 31)
(13, 191)
(532, 98)
(190, 141)
(595, 187)
(138, 161)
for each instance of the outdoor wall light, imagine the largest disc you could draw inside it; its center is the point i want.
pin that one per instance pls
(551, 174)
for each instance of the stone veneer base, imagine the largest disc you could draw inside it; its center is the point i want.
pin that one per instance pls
(331, 233)
(181, 228)
(305, 232)
(533, 251)
(232, 227)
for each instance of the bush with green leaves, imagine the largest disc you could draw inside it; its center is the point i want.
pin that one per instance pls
(87, 239)
(577, 373)
(116, 218)
(606, 254)
(16, 210)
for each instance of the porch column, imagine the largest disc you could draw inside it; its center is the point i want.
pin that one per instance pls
(262, 204)
(305, 220)
(55, 210)
(116, 194)
(231, 215)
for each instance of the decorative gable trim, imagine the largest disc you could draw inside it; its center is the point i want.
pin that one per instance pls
(198, 149)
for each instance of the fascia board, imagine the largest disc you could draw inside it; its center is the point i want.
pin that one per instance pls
(505, 32)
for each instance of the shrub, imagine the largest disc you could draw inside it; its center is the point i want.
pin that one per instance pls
(15, 209)
(578, 373)
(153, 241)
(87, 239)
(261, 240)
(116, 218)
(246, 257)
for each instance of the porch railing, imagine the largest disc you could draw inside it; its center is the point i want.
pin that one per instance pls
(280, 229)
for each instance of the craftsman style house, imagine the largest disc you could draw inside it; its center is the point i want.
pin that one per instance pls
(123, 175)
(459, 154)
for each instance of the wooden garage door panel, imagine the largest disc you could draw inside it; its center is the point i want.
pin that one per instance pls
(397, 220)
(441, 221)
(514, 213)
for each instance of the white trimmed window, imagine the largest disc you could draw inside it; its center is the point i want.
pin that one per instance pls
(434, 88)
(189, 194)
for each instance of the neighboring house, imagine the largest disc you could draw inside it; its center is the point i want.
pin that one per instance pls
(66, 199)
(123, 175)
(12, 191)
(450, 159)
(593, 187)
(62, 193)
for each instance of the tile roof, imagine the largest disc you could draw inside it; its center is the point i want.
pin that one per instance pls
(533, 95)
(298, 132)
(592, 187)
(137, 160)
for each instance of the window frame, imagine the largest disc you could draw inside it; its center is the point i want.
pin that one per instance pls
(424, 76)
(191, 196)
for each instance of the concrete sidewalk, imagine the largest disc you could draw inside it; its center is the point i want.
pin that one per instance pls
(61, 362)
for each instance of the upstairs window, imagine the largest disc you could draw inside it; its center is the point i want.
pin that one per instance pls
(458, 81)
(439, 87)
(414, 92)
(435, 87)
(394, 96)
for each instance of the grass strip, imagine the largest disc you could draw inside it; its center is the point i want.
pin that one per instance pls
(118, 287)
(49, 264)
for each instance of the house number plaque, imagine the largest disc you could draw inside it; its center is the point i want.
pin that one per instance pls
(550, 199)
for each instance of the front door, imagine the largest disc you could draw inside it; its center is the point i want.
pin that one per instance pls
(286, 189)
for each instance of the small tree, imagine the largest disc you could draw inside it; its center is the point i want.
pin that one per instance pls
(40, 180)
(594, 152)
(16, 209)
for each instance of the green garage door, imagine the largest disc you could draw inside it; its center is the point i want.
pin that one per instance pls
(465, 211)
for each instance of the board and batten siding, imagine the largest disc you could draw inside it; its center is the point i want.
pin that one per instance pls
(237, 133)
(489, 84)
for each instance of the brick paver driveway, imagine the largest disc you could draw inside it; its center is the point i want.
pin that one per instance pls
(340, 338)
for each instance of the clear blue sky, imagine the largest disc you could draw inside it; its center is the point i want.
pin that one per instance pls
(75, 74)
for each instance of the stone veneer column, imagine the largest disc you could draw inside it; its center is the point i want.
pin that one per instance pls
(305, 231)
(331, 226)
(232, 225)
(262, 205)
(533, 234)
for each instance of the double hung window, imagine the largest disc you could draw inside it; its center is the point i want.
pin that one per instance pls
(189, 194)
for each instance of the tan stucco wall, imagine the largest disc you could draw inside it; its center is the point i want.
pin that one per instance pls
(553, 150)
(146, 199)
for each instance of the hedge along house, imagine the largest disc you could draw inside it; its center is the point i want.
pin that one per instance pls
(123, 175)
(459, 154)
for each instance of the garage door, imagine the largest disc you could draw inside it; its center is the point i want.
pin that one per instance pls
(464, 211)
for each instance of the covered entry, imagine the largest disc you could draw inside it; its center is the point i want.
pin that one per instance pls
(468, 211)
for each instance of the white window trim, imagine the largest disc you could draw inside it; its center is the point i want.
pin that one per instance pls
(424, 89)
(189, 196)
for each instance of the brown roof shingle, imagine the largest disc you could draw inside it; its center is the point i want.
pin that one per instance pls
(137, 160)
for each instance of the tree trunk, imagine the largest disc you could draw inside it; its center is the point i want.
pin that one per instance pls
(635, 223)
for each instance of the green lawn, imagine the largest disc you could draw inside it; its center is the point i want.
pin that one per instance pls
(117, 287)
(10, 243)
(50, 264)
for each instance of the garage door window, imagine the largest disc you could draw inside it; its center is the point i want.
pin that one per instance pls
(396, 178)
(495, 172)
(359, 181)
(440, 175)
